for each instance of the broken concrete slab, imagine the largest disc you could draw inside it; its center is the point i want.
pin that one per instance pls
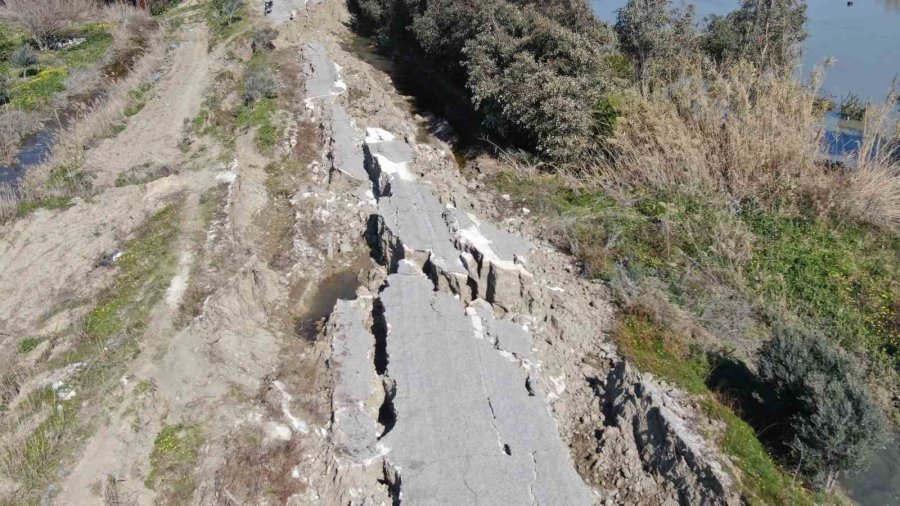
(323, 79)
(355, 431)
(346, 145)
(471, 258)
(465, 429)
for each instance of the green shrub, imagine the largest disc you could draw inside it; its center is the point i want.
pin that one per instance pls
(262, 39)
(260, 84)
(4, 89)
(655, 35)
(23, 57)
(852, 107)
(833, 422)
(228, 11)
(535, 71)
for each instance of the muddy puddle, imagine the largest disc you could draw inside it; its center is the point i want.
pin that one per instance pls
(340, 285)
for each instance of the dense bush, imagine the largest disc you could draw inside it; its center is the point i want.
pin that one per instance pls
(833, 422)
(538, 72)
(262, 39)
(260, 84)
(766, 32)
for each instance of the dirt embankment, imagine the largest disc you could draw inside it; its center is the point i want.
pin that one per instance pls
(221, 377)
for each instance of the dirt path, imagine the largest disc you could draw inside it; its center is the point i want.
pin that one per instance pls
(154, 138)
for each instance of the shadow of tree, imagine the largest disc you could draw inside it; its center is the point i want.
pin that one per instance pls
(751, 399)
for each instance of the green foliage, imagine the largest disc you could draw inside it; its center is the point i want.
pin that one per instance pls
(260, 84)
(853, 108)
(228, 11)
(833, 421)
(656, 37)
(841, 279)
(26, 207)
(39, 89)
(29, 343)
(4, 89)
(262, 39)
(651, 347)
(36, 459)
(146, 266)
(158, 7)
(762, 481)
(97, 42)
(175, 452)
(766, 32)
(535, 71)
(137, 98)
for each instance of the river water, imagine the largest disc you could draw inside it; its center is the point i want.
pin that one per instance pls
(864, 39)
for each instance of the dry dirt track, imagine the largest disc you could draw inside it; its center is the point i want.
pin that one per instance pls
(464, 362)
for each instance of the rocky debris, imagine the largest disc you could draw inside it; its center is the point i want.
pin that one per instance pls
(641, 419)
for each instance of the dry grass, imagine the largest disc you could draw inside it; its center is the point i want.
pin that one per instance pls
(740, 132)
(15, 125)
(751, 137)
(873, 189)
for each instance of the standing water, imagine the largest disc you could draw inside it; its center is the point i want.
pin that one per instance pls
(864, 39)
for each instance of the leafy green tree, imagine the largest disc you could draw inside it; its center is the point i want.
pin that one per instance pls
(832, 421)
(768, 33)
(656, 37)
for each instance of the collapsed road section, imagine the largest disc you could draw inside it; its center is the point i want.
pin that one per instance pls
(431, 389)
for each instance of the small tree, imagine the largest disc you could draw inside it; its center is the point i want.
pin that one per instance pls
(24, 57)
(260, 84)
(655, 35)
(44, 19)
(768, 33)
(228, 11)
(833, 422)
(262, 39)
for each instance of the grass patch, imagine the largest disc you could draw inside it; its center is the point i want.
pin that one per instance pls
(97, 42)
(175, 453)
(27, 207)
(146, 266)
(36, 459)
(29, 343)
(38, 90)
(654, 348)
(137, 99)
(112, 330)
(651, 347)
(839, 278)
(842, 279)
